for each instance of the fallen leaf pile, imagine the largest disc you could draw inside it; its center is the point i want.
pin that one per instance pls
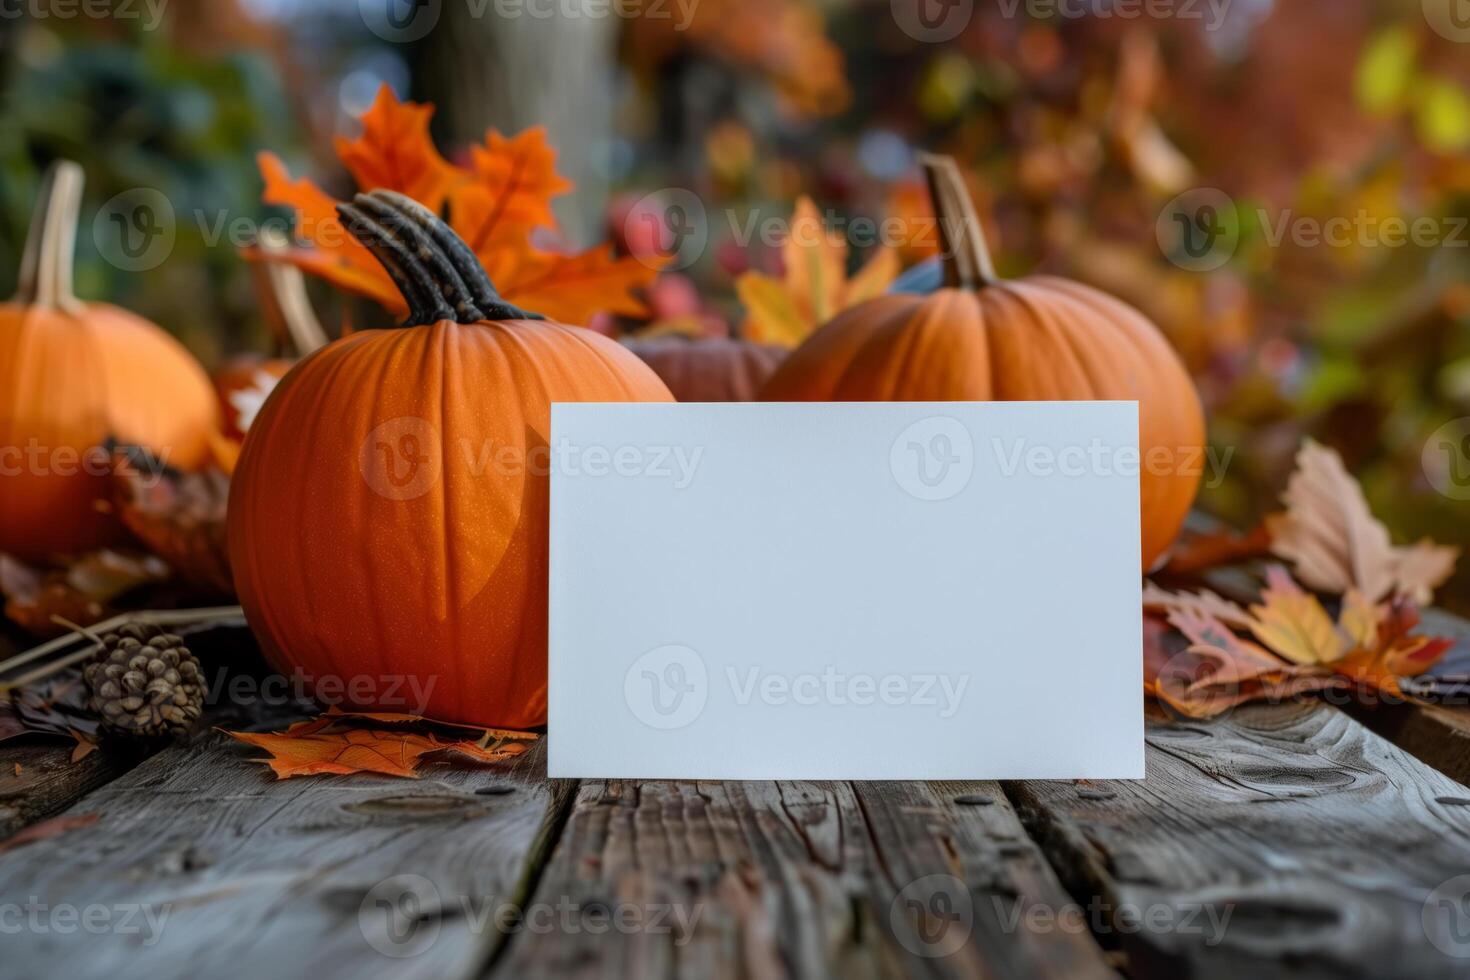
(54, 706)
(1288, 643)
(500, 205)
(342, 743)
(84, 591)
(181, 517)
(1336, 543)
(814, 286)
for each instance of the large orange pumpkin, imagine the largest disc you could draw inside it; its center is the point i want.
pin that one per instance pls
(1035, 339)
(388, 517)
(74, 375)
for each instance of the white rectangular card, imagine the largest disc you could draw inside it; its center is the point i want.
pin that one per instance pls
(845, 591)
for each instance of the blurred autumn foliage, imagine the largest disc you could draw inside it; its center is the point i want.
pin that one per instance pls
(1315, 125)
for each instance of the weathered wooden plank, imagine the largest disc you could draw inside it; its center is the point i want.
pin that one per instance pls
(800, 879)
(1438, 734)
(38, 779)
(48, 782)
(1280, 839)
(203, 864)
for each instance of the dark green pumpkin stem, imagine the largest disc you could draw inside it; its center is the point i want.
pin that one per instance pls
(437, 273)
(965, 255)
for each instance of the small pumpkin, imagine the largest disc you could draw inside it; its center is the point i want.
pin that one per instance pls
(389, 514)
(981, 338)
(74, 376)
(713, 369)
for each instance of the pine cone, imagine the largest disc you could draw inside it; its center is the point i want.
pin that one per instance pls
(145, 683)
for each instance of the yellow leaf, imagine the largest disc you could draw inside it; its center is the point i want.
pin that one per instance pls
(814, 286)
(1293, 623)
(772, 316)
(876, 275)
(1358, 621)
(816, 264)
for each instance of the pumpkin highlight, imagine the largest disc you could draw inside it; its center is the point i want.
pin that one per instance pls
(1042, 338)
(75, 376)
(388, 518)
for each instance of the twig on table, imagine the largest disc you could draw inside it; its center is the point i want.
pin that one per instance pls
(161, 617)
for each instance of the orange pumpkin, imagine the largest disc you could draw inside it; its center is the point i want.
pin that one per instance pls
(73, 376)
(388, 516)
(709, 369)
(1035, 339)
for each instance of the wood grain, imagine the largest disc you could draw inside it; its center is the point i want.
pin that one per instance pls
(47, 781)
(246, 876)
(797, 879)
(1321, 841)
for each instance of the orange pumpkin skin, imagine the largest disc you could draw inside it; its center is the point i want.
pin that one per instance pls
(389, 514)
(1034, 339)
(72, 376)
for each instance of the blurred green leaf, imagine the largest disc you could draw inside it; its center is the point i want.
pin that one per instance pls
(1386, 70)
(1442, 115)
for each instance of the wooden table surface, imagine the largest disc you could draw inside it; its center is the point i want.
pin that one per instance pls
(1299, 840)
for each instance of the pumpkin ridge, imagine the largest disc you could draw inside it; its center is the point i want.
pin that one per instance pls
(307, 591)
(1049, 323)
(855, 370)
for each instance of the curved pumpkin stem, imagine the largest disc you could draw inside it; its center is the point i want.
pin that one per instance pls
(437, 273)
(425, 302)
(287, 288)
(476, 279)
(46, 264)
(966, 257)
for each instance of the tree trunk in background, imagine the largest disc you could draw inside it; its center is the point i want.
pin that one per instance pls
(520, 71)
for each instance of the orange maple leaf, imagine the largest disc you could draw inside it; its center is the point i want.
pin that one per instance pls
(814, 286)
(396, 153)
(495, 206)
(1395, 653)
(321, 746)
(334, 255)
(518, 179)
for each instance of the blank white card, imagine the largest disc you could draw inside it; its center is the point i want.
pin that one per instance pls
(845, 591)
